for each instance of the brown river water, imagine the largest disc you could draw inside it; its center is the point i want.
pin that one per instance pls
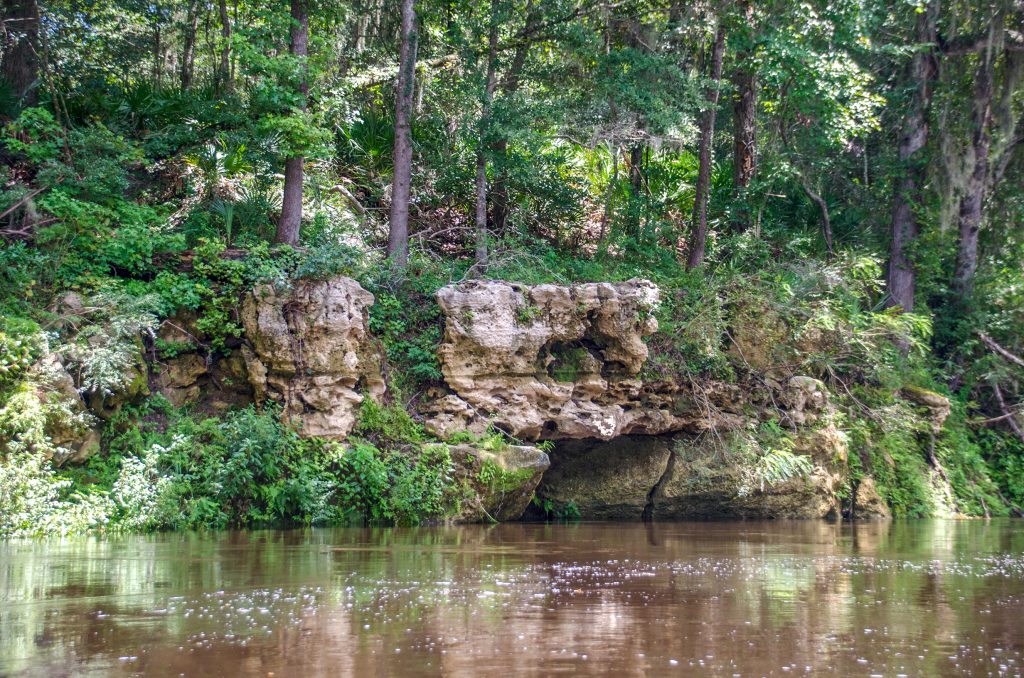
(729, 599)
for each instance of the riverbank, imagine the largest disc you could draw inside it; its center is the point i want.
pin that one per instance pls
(591, 400)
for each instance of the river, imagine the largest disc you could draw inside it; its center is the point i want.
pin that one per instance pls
(730, 599)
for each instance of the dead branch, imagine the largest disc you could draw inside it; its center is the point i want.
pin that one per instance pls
(999, 350)
(1002, 406)
(24, 199)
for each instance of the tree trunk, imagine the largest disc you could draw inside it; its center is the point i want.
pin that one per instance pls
(291, 205)
(158, 54)
(224, 77)
(481, 150)
(188, 49)
(972, 203)
(398, 231)
(907, 202)
(636, 168)
(826, 220)
(698, 237)
(744, 110)
(499, 190)
(20, 65)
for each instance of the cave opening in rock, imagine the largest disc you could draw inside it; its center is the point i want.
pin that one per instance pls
(567, 362)
(594, 479)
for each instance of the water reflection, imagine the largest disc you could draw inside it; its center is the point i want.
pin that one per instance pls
(729, 598)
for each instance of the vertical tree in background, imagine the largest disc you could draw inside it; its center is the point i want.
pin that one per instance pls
(972, 202)
(224, 81)
(498, 194)
(900, 278)
(398, 230)
(744, 109)
(481, 149)
(699, 222)
(995, 51)
(20, 65)
(188, 48)
(291, 205)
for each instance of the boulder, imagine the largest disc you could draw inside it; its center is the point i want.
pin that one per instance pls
(502, 482)
(177, 378)
(709, 479)
(807, 400)
(71, 428)
(868, 502)
(935, 405)
(310, 351)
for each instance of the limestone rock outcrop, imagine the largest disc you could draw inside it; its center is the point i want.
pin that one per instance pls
(606, 480)
(74, 432)
(311, 352)
(934, 405)
(554, 361)
(686, 477)
(868, 502)
(502, 481)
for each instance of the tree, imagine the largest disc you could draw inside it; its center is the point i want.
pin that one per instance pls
(481, 151)
(20, 64)
(907, 201)
(509, 86)
(188, 49)
(699, 222)
(744, 109)
(398, 231)
(994, 51)
(291, 206)
(224, 79)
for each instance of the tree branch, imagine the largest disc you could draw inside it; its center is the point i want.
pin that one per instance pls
(999, 350)
(1002, 405)
(24, 199)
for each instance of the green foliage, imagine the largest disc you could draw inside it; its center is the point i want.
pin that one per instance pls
(887, 446)
(591, 146)
(407, 319)
(33, 501)
(247, 469)
(298, 134)
(569, 363)
(21, 344)
(568, 512)
(422, 489)
(499, 480)
(389, 422)
(106, 344)
(363, 484)
(770, 460)
(34, 134)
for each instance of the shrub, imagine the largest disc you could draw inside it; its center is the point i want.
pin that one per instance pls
(106, 345)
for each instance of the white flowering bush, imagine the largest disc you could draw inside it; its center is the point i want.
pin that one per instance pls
(104, 348)
(31, 501)
(140, 491)
(34, 499)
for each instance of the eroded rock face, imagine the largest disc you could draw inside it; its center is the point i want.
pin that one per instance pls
(935, 405)
(606, 480)
(502, 482)
(552, 361)
(76, 435)
(312, 353)
(868, 502)
(685, 477)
